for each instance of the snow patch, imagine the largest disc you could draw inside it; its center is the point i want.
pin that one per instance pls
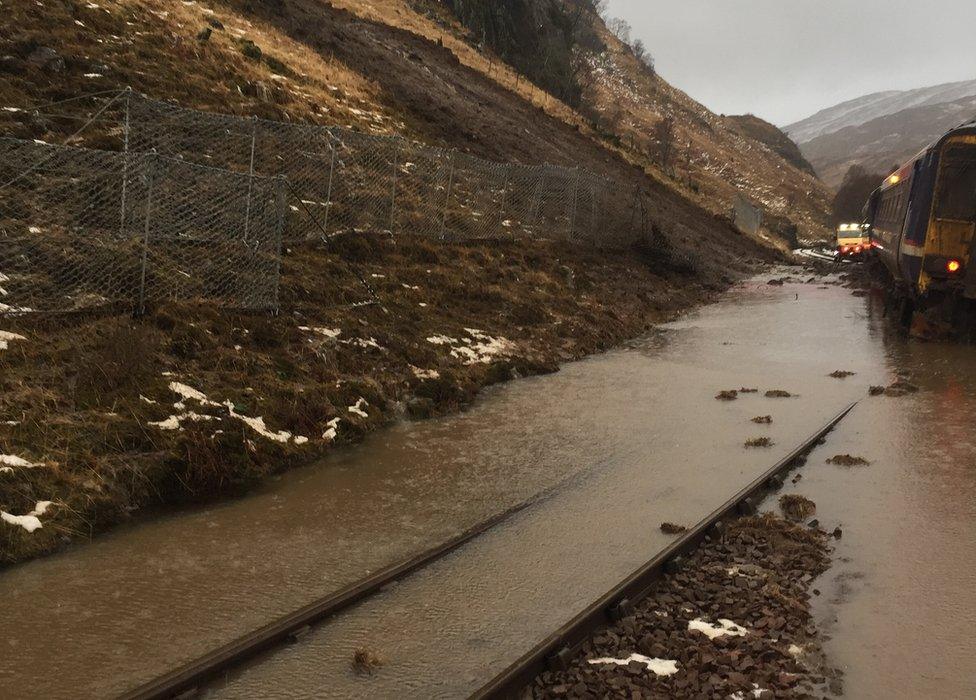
(724, 627)
(15, 461)
(6, 337)
(175, 422)
(357, 409)
(425, 373)
(476, 348)
(332, 429)
(756, 692)
(31, 521)
(258, 426)
(660, 667)
(330, 333)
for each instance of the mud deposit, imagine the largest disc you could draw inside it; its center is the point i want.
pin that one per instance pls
(735, 622)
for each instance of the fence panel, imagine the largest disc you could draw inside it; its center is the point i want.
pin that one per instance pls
(82, 228)
(478, 194)
(423, 177)
(62, 241)
(363, 183)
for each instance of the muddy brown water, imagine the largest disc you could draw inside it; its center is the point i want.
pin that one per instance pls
(627, 440)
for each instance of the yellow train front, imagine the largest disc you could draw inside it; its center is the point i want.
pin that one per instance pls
(923, 228)
(853, 240)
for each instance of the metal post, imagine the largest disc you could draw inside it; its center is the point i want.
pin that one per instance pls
(151, 179)
(396, 165)
(573, 204)
(447, 201)
(281, 186)
(535, 209)
(250, 177)
(328, 194)
(125, 160)
(501, 209)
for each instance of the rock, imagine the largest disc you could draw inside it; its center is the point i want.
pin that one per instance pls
(251, 50)
(47, 59)
(837, 533)
(215, 23)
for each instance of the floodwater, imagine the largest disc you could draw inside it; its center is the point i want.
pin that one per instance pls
(621, 442)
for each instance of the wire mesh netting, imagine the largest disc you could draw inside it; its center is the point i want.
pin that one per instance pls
(344, 181)
(82, 228)
(197, 205)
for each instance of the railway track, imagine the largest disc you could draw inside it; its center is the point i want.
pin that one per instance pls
(554, 652)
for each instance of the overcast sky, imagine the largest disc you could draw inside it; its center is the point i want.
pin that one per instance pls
(785, 59)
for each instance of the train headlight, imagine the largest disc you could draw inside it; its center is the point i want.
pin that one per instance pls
(953, 266)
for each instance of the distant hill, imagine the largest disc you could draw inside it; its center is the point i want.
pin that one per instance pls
(772, 137)
(882, 129)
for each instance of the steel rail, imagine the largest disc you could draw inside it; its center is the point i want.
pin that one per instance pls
(557, 651)
(291, 627)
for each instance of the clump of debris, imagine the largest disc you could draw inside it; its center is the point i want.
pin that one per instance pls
(672, 528)
(841, 374)
(796, 507)
(847, 461)
(744, 390)
(900, 388)
(759, 442)
(365, 661)
(876, 390)
(734, 622)
(763, 420)
(727, 395)
(778, 394)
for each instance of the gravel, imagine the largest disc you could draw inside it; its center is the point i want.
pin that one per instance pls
(735, 620)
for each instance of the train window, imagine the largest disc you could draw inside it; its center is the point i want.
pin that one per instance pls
(957, 185)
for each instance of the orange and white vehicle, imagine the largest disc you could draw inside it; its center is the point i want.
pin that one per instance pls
(853, 240)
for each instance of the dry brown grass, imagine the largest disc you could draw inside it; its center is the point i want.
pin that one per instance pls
(759, 442)
(796, 507)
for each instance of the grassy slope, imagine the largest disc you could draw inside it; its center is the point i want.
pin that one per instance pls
(71, 391)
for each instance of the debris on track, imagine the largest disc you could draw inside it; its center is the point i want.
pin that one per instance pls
(796, 507)
(847, 461)
(763, 420)
(778, 394)
(876, 390)
(759, 442)
(744, 390)
(733, 622)
(728, 395)
(841, 374)
(672, 528)
(365, 661)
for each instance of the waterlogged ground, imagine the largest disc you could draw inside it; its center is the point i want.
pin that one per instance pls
(623, 442)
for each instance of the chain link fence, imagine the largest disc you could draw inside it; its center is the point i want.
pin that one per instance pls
(197, 205)
(82, 228)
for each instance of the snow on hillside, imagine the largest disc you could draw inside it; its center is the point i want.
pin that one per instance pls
(875, 106)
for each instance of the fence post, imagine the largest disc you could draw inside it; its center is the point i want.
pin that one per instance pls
(250, 177)
(501, 209)
(535, 209)
(125, 160)
(447, 201)
(282, 203)
(328, 193)
(151, 180)
(396, 165)
(574, 204)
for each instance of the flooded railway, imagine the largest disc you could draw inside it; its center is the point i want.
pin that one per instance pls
(621, 442)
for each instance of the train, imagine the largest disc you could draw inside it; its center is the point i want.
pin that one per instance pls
(922, 228)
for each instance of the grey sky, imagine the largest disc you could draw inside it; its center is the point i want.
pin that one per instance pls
(785, 59)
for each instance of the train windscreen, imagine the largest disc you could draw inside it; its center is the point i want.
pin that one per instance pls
(957, 188)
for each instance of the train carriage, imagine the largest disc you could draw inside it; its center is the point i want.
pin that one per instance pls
(923, 223)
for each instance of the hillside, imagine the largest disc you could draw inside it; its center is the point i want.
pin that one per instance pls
(768, 134)
(94, 418)
(882, 143)
(873, 106)
(881, 130)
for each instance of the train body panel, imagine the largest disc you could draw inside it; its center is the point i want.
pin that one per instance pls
(923, 218)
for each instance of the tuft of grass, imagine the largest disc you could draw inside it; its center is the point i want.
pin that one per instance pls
(876, 390)
(841, 374)
(763, 420)
(744, 390)
(778, 394)
(759, 442)
(672, 528)
(728, 395)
